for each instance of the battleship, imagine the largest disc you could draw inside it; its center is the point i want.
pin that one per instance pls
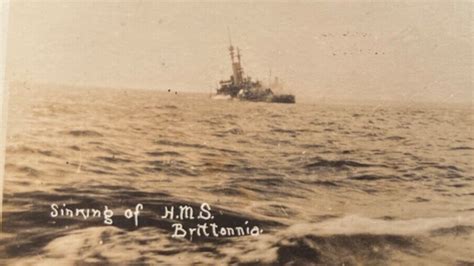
(245, 89)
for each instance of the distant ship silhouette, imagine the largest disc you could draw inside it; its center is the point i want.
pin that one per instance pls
(244, 88)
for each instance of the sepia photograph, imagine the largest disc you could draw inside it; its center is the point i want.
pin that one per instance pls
(140, 132)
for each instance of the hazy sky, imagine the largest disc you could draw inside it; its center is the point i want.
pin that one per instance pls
(321, 50)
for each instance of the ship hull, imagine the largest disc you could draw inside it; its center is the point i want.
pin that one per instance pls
(284, 98)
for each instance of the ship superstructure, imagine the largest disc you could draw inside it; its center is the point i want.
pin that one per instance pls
(244, 88)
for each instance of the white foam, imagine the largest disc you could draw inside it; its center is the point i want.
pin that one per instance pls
(354, 224)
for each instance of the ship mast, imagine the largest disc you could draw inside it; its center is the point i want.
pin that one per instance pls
(236, 66)
(231, 48)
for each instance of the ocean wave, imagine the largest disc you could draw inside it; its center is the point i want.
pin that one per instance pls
(461, 148)
(373, 177)
(84, 133)
(338, 164)
(344, 249)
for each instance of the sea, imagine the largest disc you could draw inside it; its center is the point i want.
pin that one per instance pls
(308, 183)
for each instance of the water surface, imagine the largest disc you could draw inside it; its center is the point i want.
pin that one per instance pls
(328, 184)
